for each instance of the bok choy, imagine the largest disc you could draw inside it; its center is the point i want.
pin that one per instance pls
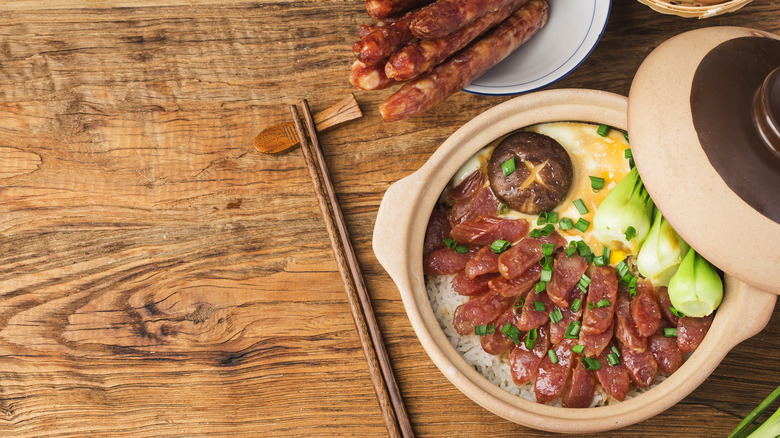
(661, 253)
(696, 288)
(623, 218)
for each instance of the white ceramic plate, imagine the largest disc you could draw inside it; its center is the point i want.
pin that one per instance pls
(573, 28)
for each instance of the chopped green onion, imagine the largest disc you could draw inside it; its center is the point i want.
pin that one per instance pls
(600, 261)
(503, 209)
(542, 218)
(581, 206)
(461, 249)
(632, 292)
(613, 359)
(578, 348)
(508, 166)
(535, 233)
(596, 183)
(575, 305)
(548, 248)
(629, 156)
(566, 224)
(622, 269)
(548, 229)
(482, 330)
(546, 275)
(540, 287)
(539, 306)
(670, 332)
(581, 224)
(630, 233)
(591, 364)
(603, 130)
(591, 306)
(571, 249)
(676, 312)
(556, 315)
(615, 350)
(498, 246)
(625, 135)
(583, 283)
(603, 303)
(450, 243)
(552, 355)
(511, 332)
(572, 330)
(552, 217)
(583, 249)
(530, 339)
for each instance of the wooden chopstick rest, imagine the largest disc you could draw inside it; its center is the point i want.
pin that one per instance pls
(281, 137)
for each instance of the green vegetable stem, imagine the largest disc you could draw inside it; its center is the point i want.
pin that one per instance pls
(696, 288)
(661, 253)
(627, 206)
(768, 429)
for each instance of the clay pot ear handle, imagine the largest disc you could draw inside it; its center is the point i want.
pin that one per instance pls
(766, 111)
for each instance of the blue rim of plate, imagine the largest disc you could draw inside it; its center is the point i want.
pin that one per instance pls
(559, 72)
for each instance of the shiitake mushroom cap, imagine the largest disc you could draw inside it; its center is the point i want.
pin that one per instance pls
(542, 177)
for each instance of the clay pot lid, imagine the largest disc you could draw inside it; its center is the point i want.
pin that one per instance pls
(703, 121)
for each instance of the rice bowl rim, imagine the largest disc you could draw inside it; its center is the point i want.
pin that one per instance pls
(398, 241)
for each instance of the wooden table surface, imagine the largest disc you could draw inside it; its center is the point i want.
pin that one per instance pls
(159, 277)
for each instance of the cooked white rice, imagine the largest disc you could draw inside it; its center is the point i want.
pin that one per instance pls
(444, 300)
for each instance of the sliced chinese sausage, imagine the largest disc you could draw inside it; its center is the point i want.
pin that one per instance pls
(642, 367)
(437, 232)
(614, 378)
(558, 330)
(666, 306)
(483, 262)
(645, 309)
(445, 261)
(498, 342)
(595, 343)
(480, 310)
(464, 285)
(526, 253)
(485, 230)
(666, 353)
(467, 188)
(582, 389)
(518, 285)
(552, 377)
(532, 318)
(603, 289)
(691, 331)
(524, 363)
(566, 274)
(483, 203)
(625, 328)
(542, 172)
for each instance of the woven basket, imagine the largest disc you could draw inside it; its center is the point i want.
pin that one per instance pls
(694, 9)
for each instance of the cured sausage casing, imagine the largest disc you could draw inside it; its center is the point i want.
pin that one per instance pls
(446, 16)
(452, 75)
(383, 41)
(382, 9)
(419, 57)
(369, 77)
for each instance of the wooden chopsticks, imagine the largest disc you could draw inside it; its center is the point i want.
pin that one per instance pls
(388, 395)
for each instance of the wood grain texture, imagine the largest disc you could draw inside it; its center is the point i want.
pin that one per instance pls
(160, 278)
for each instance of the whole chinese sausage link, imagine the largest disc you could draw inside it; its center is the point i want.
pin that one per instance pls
(452, 75)
(423, 55)
(382, 9)
(447, 16)
(383, 41)
(368, 77)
